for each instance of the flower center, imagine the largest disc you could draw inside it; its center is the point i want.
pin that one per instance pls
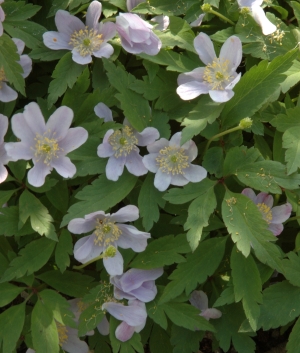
(277, 36)
(217, 74)
(123, 141)
(172, 160)
(265, 211)
(46, 147)
(86, 41)
(2, 77)
(106, 232)
(62, 333)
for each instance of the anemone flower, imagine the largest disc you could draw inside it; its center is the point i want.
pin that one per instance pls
(199, 300)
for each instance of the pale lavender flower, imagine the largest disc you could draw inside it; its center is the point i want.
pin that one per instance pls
(2, 18)
(274, 216)
(83, 40)
(102, 111)
(133, 3)
(136, 35)
(136, 284)
(163, 22)
(108, 230)
(7, 94)
(133, 317)
(4, 159)
(258, 15)
(45, 143)
(199, 300)
(121, 148)
(218, 77)
(198, 21)
(172, 162)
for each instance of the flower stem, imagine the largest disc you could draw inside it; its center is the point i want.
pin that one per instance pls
(109, 19)
(291, 219)
(88, 263)
(221, 16)
(221, 134)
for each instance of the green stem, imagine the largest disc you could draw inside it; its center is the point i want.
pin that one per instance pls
(89, 262)
(276, 199)
(110, 19)
(222, 134)
(292, 219)
(221, 16)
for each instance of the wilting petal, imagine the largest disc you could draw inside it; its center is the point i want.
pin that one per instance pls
(102, 111)
(192, 89)
(211, 314)
(199, 300)
(128, 213)
(265, 198)
(124, 332)
(38, 173)
(276, 229)
(103, 326)
(198, 21)
(163, 22)
(204, 48)
(281, 213)
(133, 315)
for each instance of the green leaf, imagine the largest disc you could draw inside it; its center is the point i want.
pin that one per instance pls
(43, 329)
(40, 218)
(64, 248)
(249, 230)
(33, 257)
(256, 87)
(198, 215)
(135, 107)
(9, 223)
(5, 195)
(202, 263)
(161, 252)
(296, 7)
(283, 122)
(18, 11)
(8, 293)
(160, 340)
(292, 268)
(280, 305)
(185, 341)
(8, 60)
(227, 328)
(70, 283)
(247, 285)
(205, 112)
(149, 200)
(293, 77)
(45, 54)
(65, 75)
(213, 161)
(189, 192)
(59, 196)
(11, 325)
(59, 307)
(293, 345)
(100, 195)
(290, 141)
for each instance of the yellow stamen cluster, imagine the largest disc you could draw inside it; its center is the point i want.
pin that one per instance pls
(46, 147)
(123, 141)
(81, 306)
(217, 74)
(62, 333)
(277, 36)
(86, 41)
(265, 211)
(172, 160)
(106, 232)
(2, 77)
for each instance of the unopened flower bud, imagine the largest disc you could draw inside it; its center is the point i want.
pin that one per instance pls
(246, 123)
(206, 8)
(110, 252)
(245, 10)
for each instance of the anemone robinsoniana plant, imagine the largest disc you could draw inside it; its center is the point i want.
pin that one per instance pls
(274, 216)
(172, 162)
(258, 14)
(199, 300)
(45, 143)
(219, 75)
(83, 40)
(108, 230)
(121, 148)
(102, 111)
(7, 94)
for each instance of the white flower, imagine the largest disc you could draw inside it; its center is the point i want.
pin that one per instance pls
(258, 15)
(4, 159)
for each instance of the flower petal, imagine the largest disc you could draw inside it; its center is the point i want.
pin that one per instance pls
(114, 265)
(26, 64)
(150, 163)
(260, 17)
(133, 315)
(19, 44)
(124, 332)
(105, 150)
(199, 300)
(106, 50)
(64, 166)
(7, 94)
(192, 89)
(198, 21)
(103, 326)
(108, 30)
(132, 238)
(102, 111)
(195, 173)
(86, 250)
(93, 14)
(221, 96)
(79, 59)
(56, 41)
(3, 126)
(38, 173)
(67, 23)
(134, 278)
(128, 213)
(249, 193)
(195, 75)
(75, 345)
(158, 145)
(205, 48)
(281, 213)
(18, 150)
(276, 229)
(3, 173)
(178, 180)
(134, 164)
(211, 313)
(265, 198)
(147, 136)
(162, 180)
(74, 138)
(114, 168)
(60, 122)
(34, 118)
(231, 52)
